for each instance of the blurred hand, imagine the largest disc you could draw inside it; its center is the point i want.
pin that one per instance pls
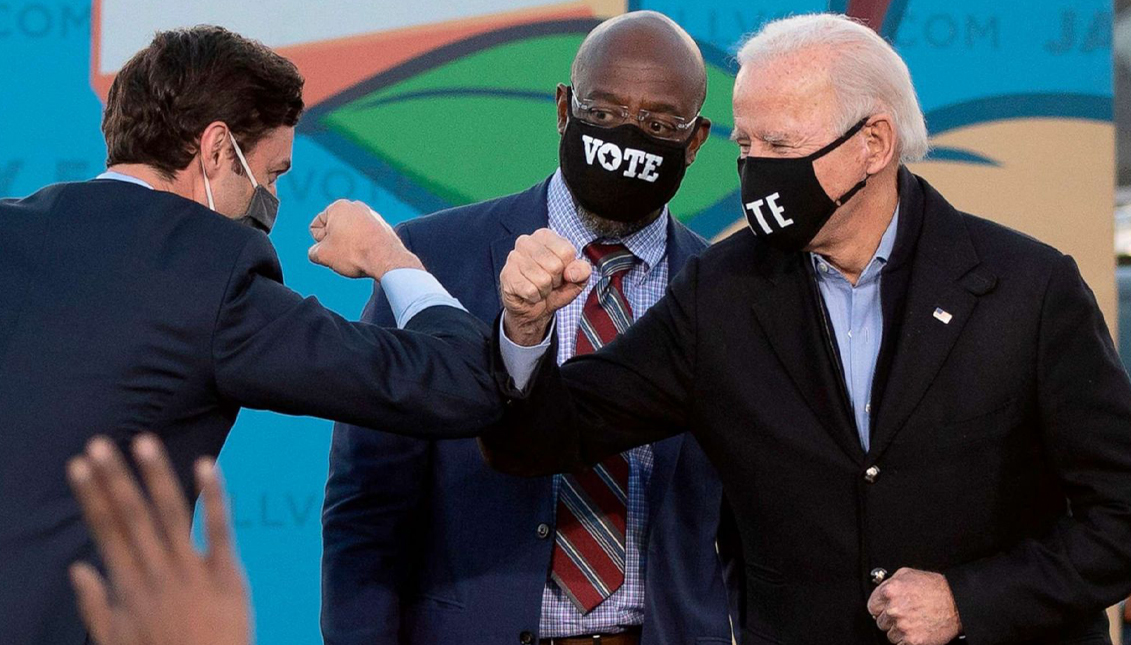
(159, 591)
(542, 275)
(355, 241)
(916, 608)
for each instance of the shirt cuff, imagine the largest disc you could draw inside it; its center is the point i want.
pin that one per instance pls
(521, 361)
(411, 291)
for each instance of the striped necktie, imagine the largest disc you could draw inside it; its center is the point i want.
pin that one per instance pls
(589, 551)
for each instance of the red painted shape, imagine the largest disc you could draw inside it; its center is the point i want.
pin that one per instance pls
(872, 12)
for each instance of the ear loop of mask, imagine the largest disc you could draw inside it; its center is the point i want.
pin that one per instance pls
(833, 146)
(243, 162)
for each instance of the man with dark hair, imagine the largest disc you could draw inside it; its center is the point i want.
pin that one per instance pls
(162, 101)
(394, 568)
(151, 299)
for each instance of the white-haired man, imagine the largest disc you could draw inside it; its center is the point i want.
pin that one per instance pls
(918, 415)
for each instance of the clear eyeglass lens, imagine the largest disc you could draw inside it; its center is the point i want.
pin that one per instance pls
(658, 125)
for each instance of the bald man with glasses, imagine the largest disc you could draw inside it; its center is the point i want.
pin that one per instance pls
(423, 542)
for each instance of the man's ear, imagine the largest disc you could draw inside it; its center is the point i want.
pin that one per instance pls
(880, 139)
(702, 131)
(213, 143)
(562, 99)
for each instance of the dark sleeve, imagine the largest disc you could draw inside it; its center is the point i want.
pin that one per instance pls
(370, 520)
(635, 390)
(1084, 564)
(275, 350)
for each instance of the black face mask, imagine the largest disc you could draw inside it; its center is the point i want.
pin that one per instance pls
(263, 207)
(783, 200)
(261, 210)
(620, 173)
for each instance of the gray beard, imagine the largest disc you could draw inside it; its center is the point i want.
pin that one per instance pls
(602, 227)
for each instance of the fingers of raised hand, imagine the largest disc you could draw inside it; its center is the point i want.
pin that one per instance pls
(169, 503)
(216, 520)
(117, 515)
(93, 602)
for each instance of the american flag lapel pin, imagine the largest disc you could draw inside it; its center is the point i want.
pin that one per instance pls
(942, 316)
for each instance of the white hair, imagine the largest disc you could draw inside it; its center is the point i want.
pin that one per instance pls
(867, 75)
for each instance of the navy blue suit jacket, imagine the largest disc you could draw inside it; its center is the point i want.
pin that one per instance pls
(424, 544)
(123, 310)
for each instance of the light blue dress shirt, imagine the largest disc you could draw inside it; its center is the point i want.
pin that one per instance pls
(409, 291)
(129, 179)
(857, 319)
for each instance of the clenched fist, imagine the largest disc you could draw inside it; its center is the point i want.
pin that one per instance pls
(542, 274)
(355, 241)
(916, 608)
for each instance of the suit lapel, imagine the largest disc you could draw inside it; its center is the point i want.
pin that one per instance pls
(529, 214)
(500, 248)
(945, 283)
(786, 309)
(923, 344)
(682, 245)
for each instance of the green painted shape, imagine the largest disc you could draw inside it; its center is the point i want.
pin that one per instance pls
(467, 148)
(713, 176)
(459, 162)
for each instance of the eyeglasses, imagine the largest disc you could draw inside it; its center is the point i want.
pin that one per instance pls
(659, 125)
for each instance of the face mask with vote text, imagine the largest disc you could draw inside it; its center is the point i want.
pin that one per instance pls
(784, 202)
(620, 173)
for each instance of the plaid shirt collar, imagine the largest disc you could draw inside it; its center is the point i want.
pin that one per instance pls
(648, 244)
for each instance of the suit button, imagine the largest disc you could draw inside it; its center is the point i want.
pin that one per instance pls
(526, 638)
(879, 575)
(543, 531)
(872, 474)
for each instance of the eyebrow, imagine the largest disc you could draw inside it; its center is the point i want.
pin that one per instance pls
(778, 138)
(767, 137)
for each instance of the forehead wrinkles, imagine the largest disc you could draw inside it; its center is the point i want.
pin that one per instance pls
(785, 98)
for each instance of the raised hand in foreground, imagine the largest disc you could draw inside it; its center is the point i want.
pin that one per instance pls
(158, 590)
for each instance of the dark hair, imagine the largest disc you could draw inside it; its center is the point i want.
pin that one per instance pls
(185, 79)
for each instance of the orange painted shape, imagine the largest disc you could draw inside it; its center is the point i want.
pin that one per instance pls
(334, 65)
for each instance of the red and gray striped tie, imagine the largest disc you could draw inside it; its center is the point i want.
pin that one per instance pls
(589, 553)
